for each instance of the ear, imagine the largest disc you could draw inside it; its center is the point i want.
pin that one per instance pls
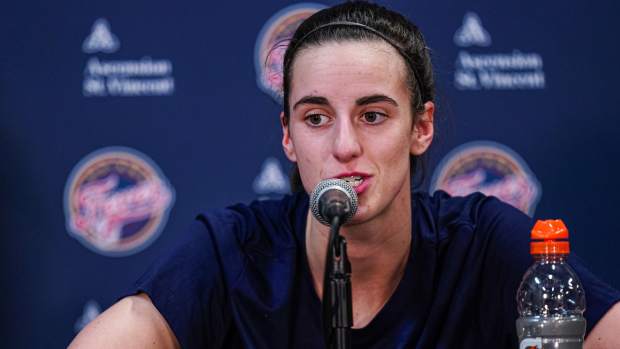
(287, 142)
(423, 130)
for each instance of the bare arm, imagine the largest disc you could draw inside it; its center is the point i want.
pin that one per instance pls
(133, 322)
(605, 334)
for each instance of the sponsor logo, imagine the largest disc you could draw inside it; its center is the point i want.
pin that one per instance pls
(514, 70)
(272, 42)
(531, 343)
(90, 312)
(271, 179)
(128, 78)
(472, 33)
(116, 201)
(492, 169)
(101, 39)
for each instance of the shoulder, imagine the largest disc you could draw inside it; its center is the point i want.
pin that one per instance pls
(214, 249)
(260, 222)
(244, 232)
(445, 215)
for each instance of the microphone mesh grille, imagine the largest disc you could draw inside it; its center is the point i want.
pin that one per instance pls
(329, 184)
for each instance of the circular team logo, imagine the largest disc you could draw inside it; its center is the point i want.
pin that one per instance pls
(117, 201)
(272, 42)
(492, 169)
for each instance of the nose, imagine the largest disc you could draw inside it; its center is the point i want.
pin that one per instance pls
(346, 144)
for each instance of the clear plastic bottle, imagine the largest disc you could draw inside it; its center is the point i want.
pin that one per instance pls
(550, 299)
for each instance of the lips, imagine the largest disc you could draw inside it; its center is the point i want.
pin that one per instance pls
(358, 180)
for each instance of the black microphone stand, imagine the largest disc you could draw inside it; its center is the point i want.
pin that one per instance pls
(337, 300)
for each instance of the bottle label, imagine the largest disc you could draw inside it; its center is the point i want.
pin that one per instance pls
(531, 343)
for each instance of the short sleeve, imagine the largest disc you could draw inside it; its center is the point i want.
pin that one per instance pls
(507, 258)
(187, 287)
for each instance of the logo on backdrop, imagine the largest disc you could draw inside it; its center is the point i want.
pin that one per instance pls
(490, 168)
(471, 33)
(90, 312)
(117, 201)
(101, 39)
(128, 78)
(478, 70)
(271, 179)
(272, 42)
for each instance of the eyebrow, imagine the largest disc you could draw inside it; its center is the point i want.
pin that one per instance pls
(375, 99)
(311, 100)
(318, 100)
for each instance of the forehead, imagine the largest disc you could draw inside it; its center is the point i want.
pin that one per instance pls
(348, 70)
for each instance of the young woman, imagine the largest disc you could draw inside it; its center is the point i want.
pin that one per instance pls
(427, 271)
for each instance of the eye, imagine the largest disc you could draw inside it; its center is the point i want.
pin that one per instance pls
(316, 120)
(373, 117)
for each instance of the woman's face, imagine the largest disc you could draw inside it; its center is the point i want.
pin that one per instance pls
(351, 118)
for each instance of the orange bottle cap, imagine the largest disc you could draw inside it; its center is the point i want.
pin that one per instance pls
(549, 237)
(551, 229)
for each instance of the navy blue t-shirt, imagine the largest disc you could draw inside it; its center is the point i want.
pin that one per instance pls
(240, 278)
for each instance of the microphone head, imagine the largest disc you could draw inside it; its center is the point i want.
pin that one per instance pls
(329, 192)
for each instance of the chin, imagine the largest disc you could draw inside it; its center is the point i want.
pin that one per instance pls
(361, 216)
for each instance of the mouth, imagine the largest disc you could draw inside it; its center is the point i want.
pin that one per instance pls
(354, 181)
(359, 181)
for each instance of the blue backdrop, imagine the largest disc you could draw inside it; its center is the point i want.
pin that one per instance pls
(119, 121)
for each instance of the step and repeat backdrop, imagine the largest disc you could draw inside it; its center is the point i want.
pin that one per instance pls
(120, 121)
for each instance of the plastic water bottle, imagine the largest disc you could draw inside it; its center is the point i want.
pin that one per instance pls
(550, 299)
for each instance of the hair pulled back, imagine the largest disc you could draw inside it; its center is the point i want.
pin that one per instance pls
(376, 23)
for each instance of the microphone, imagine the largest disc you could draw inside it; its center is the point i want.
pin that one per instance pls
(333, 198)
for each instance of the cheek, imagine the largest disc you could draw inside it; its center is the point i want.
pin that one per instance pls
(310, 150)
(308, 145)
(393, 150)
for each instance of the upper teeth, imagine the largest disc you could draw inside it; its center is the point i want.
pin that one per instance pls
(354, 180)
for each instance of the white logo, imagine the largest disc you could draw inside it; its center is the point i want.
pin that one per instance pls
(128, 77)
(91, 311)
(471, 32)
(101, 39)
(271, 178)
(478, 70)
